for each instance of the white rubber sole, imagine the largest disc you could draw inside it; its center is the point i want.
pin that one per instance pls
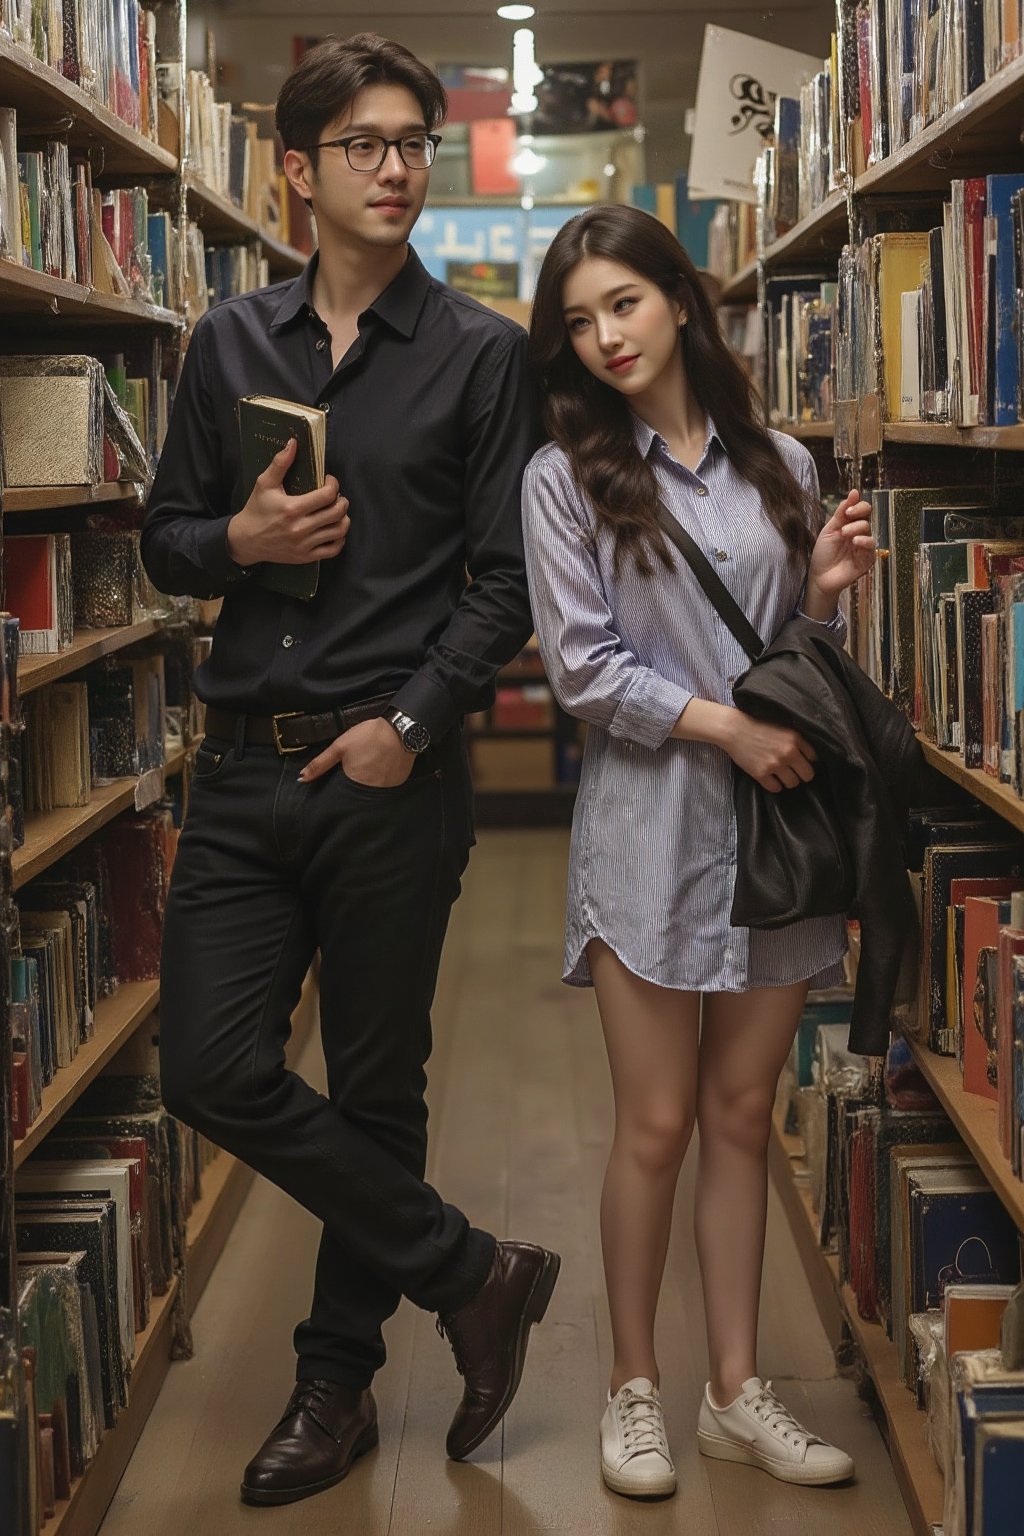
(635, 1488)
(721, 1448)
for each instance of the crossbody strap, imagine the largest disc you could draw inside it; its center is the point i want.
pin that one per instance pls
(715, 589)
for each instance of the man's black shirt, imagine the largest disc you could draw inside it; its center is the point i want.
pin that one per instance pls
(430, 427)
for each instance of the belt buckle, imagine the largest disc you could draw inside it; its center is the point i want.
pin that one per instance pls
(282, 750)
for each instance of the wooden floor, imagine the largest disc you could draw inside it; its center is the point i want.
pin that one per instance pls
(520, 1118)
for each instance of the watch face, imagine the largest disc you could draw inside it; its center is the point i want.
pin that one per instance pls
(416, 737)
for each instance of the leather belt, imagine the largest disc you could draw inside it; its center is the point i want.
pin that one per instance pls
(296, 731)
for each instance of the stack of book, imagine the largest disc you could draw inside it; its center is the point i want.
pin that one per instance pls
(801, 342)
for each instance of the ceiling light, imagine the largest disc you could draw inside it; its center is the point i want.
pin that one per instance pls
(515, 12)
(525, 74)
(527, 162)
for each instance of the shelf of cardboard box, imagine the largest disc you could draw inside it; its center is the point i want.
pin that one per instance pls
(741, 288)
(52, 834)
(1000, 797)
(44, 99)
(23, 290)
(918, 1476)
(88, 646)
(222, 220)
(225, 1183)
(928, 434)
(48, 498)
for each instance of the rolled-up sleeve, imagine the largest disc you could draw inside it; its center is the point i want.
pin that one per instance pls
(807, 473)
(592, 674)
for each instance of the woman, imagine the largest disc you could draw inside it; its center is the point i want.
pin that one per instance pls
(643, 400)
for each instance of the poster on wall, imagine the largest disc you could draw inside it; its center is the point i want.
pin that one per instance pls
(587, 98)
(446, 239)
(739, 79)
(484, 280)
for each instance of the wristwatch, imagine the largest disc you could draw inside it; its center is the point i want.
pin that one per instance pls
(413, 736)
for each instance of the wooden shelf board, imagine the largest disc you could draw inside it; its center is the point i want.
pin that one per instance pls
(821, 234)
(741, 288)
(807, 431)
(24, 290)
(919, 1478)
(47, 498)
(1000, 797)
(942, 434)
(222, 220)
(117, 1018)
(82, 1514)
(49, 836)
(88, 646)
(976, 1120)
(981, 134)
(42, 96)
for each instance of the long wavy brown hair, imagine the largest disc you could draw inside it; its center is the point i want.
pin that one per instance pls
(592, 422)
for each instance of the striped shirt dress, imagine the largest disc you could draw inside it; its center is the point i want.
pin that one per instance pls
(653, 853)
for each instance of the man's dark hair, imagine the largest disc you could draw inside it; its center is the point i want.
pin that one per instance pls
(328, 78)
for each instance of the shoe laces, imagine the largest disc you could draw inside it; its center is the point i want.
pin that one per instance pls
(309, 1395)
(777, 1418)
(643, 1425)
(444, 1332)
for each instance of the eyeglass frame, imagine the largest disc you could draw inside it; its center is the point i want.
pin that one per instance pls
(352, 138)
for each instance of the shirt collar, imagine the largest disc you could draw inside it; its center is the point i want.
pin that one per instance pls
(645, 437)
(399, 306)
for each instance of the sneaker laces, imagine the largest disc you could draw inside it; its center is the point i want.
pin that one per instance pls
(777, 1418)
(643, 1426)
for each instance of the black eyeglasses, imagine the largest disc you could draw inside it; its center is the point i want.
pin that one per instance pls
(368, 151)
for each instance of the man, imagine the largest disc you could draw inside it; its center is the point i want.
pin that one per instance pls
(331, 803)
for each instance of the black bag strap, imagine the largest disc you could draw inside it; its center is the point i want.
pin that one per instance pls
(715, 589)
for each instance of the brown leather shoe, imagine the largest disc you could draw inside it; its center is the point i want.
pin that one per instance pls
(489, 1336)
(321, 1432)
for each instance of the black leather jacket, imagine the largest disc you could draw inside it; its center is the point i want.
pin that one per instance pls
(870, 770)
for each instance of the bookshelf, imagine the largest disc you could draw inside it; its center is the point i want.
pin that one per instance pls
(88, 646)
(919, 1478)
(48, 837)
(222, 220)
(33, 305)
(980, 136)
(741, 288)
(499, 803)
(117, 1018)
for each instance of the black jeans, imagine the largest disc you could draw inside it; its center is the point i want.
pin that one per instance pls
(267, 871)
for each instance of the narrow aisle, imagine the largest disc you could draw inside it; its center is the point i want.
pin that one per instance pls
(520, 1120)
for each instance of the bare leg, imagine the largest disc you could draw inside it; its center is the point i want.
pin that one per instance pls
(745, 1039)
(652, 1037)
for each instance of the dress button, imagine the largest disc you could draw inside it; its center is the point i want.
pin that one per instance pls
(288, 641)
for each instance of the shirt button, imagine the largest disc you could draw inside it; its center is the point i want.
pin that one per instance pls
(701, 490)
(288, 641)
(326, 409)
(321, 344)
(720, 554)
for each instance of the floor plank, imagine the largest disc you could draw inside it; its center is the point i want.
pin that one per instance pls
(520, 1121)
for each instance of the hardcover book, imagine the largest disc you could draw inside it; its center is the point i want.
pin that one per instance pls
(265, 426)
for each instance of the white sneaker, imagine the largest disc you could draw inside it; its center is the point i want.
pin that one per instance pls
(755, 1428)
(634, 1451)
